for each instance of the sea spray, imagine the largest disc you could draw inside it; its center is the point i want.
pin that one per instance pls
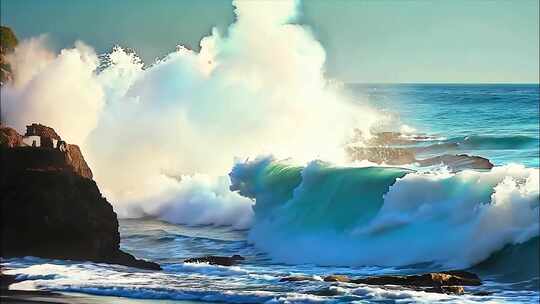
(257, 89)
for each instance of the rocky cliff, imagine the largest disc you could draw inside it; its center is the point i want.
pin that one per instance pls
(51, 207)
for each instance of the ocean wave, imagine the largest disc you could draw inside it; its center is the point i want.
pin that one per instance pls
(206, 269)
(515, 263)
(386, 216)
(484, 142)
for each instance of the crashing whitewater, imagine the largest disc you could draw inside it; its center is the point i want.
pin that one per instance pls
(387, 216)
(161, 140)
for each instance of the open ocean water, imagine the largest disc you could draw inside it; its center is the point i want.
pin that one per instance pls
(319, 219)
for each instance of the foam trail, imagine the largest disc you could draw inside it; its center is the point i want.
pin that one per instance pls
(363, 216)
(257, 89)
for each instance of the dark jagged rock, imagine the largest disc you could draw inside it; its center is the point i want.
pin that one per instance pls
(458, 162)
(463, 274)
(337, 278)
(326, 292)
(75, 159)
(216, 260)
(448, 282)
(51, 210)
(433, 279)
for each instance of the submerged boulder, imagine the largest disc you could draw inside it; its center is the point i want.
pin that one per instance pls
(298, 278)
(448, 282)
(51, 208)
(337, 278)
(458, 162)
(432, 279)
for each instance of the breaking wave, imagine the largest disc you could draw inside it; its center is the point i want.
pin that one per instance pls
(384, 216)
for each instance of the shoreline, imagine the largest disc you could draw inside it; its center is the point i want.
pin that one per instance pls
(16, 296)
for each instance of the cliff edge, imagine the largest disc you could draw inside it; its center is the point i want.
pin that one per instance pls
(50, 206)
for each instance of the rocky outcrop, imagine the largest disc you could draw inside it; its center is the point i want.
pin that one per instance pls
(457, 162)
(450, 282)
(337, 278)
(432, 279)
(216, 260)
(75, 159)
(50, 208)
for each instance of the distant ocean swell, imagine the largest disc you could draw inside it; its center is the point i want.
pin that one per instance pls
(329, 215)
(477, 142)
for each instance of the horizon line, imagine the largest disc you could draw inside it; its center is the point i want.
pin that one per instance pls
(443, 83)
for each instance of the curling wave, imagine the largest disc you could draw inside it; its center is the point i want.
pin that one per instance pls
(331, 215)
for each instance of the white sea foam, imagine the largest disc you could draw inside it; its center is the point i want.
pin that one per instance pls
(206, 269)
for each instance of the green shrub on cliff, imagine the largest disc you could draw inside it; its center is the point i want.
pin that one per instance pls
(8, 40)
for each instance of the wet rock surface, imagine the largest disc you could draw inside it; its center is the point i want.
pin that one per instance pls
(337, 278)
(447, 282)
(433, 279)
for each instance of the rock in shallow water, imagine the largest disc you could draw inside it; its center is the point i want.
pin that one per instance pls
(216, 260)
(448, 282)
(432, 279)
(337, 278)
(297, 279)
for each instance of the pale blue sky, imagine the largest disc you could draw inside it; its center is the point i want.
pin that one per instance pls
(366, 40)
